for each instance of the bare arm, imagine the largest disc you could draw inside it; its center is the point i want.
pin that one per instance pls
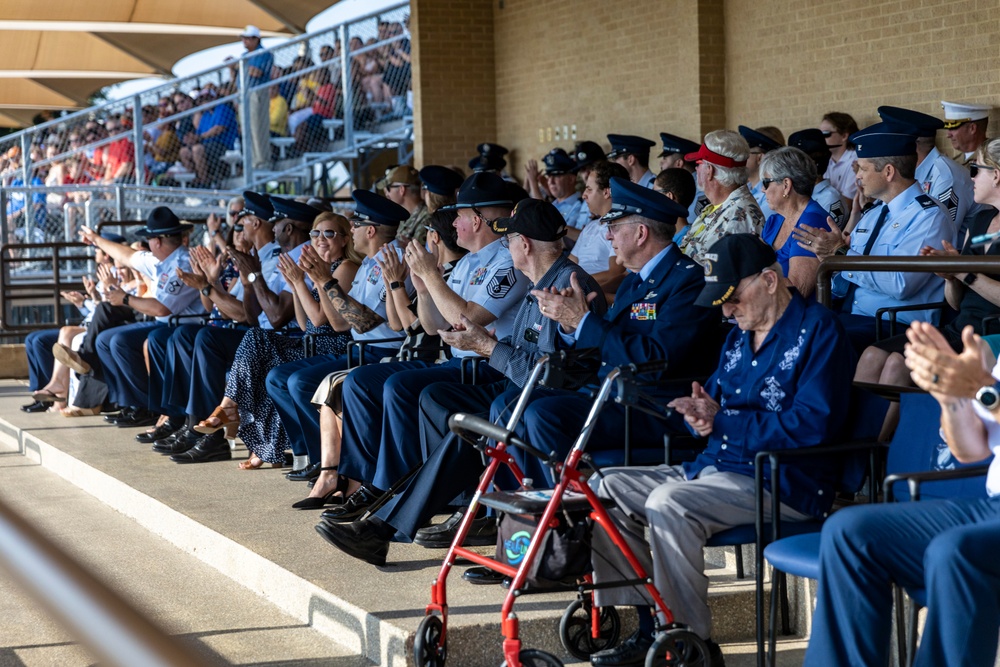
(802, 274)
(117, 251)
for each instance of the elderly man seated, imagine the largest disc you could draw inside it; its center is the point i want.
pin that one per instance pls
(783, 382)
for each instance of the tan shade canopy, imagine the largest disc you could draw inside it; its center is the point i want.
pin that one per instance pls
(59, 52)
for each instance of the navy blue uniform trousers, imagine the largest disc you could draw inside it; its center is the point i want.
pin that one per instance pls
(948, 547)
(380, 416)
(38, 347)
(291, 386)
(120, 352)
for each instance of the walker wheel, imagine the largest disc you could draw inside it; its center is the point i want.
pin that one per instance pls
(428, 650)
(678, 648)
(575, 626)
(533, 657)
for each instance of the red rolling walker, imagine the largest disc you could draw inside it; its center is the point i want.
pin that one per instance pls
(585, 628)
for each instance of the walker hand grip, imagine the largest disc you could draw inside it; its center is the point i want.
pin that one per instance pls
(462, 424)
(656, 366)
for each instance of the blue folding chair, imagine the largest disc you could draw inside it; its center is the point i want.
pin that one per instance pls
(916, 446)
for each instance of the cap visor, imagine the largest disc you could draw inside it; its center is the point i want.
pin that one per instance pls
(699, 154)
(714, 294)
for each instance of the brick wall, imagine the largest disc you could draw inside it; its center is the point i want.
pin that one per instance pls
(454, 88)
(788, 63)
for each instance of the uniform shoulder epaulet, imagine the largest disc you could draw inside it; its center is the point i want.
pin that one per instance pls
(926, 201)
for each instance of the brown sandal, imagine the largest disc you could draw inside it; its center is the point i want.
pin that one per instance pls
(254, 462)
(227, 417)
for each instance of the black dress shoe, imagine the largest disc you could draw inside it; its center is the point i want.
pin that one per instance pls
(483, 576)
(482, 532)
(37, 406)
(630, 653)
(115, 416)
(138, 417)
(715, 658)
(307, 474)
(353, 508)
(160, 432)
(211, 447)
(177, 442)
(364, 540)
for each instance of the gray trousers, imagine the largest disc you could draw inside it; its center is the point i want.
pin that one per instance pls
(681, 515)
(260, 128)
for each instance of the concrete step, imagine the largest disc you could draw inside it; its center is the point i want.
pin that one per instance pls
(240, 524)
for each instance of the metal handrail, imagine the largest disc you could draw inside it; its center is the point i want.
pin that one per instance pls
(929, 264)
(113, 629)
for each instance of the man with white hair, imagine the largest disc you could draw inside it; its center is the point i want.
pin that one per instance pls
(722, 175)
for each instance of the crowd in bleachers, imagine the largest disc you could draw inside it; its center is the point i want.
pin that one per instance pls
(271, 334)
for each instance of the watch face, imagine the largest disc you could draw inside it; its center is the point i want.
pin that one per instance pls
(252, 277)
(988, 397)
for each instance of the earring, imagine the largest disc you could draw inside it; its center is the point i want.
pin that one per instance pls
(784, 196)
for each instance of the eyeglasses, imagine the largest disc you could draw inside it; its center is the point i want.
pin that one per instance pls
(480, 214)
(974, 169)
(361, 223)
(505, 240)
(237, 229)
(764, 182)
(612, 226)
(826, 133)
(735, 298)
(327, 233)
(234, 212)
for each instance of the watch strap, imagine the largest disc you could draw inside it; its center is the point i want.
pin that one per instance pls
(395, 284)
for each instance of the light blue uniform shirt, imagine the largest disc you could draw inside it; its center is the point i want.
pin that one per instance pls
(268, 255)
(570, 208)
(488, 277)
(593, 249)
(948, 182)
(829, 198)
(647, 179)
(178, 298)
(758, 193)
(914, 221)
(368, 289)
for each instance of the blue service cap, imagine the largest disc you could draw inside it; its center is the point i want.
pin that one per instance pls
(920, 124)
(290, 209)
(810, 140)
(758, 140)
(441, 180)
(494, 162)
(586, 153)
(674, 144)
(114, 238)
(628, 198)
(627, 143)
(377, 210)
(483, 189)
(883, 140)
(558, 162)
(491, 149)
(257, 205)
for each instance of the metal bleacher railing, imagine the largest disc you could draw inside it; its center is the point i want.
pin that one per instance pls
(331, 102)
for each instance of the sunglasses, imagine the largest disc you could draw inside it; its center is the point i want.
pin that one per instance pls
(361, 223)
(974, 169)
(237, 229)
(327, 233)
(764, 182)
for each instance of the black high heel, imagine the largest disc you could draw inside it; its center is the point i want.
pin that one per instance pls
(317, 502)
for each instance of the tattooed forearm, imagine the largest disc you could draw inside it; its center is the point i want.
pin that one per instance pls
(958, 405)
(361, 318)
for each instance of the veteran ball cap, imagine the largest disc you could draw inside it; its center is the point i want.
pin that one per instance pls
(810, 140)
(534, 218)
(730, 260)
(293, 210)
(883, 140)
(257, 205)
(622, 144)
(920, 124)
(558, 162)
(377, 210)
(441, 180)
(586, 153)
(628, 198)
(959, 113)
(483, 189)
(674, 144)
(757, 139)
(492, 162)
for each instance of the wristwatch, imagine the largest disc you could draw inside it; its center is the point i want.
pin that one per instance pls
(970, 278)
(330, 284)
(395, 284)
(989, 397)
(253, 277)
(125, 300)
(206, 290)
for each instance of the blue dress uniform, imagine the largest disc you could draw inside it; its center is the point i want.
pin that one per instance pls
(558, 163)
(120, 349)
(627, 144)
(900, 228)
(938, 176)
(378, 401)
(653, 317)
(292, 385)
(766, 144)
